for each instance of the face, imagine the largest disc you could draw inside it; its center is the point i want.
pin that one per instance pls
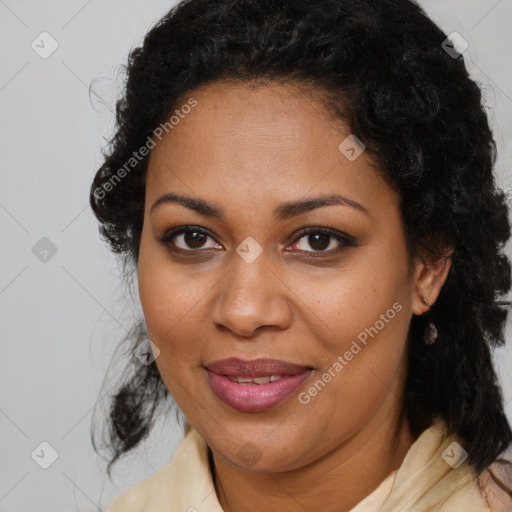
(261, 271)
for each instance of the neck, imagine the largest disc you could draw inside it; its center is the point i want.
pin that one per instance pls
(334, 483)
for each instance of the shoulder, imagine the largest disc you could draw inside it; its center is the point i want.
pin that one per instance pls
(158, 489)
(184, 481)
(435, 475)
(496, 482)
(137, 497)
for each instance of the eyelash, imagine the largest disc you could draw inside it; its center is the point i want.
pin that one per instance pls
(345, 240)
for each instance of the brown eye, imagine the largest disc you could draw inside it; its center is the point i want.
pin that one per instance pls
(186, 239)
(194, 239)
(320, 239)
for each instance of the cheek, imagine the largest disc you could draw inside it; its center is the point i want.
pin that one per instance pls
(362, 371)
(369, 293)
(358, 319)
(170, 302)
(170, 298)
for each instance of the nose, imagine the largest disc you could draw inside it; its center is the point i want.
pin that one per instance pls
(251, 296)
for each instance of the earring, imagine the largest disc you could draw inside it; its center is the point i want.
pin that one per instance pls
(430, 334)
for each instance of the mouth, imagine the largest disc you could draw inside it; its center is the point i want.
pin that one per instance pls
(257, 385)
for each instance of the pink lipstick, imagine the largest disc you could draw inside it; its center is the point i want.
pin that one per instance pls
(256, 385)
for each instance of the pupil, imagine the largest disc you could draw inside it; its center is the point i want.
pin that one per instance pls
(314, 243)
(194, 239)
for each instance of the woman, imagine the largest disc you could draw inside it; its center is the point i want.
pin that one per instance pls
(305, 192)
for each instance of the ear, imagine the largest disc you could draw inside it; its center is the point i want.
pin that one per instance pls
(430, 276)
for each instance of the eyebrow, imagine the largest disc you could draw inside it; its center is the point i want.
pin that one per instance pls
(282, 212)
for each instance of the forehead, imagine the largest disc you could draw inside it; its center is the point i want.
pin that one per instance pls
(246, 121)
(265, 143)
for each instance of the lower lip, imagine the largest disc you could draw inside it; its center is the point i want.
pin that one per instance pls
(255, 397)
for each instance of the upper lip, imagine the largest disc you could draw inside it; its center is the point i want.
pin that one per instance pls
(236, 367)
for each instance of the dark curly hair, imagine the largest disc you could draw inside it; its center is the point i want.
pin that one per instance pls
(381, 67)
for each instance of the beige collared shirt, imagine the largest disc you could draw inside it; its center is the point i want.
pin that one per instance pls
(425, 482)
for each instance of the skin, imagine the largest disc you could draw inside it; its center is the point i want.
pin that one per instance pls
(247, 150)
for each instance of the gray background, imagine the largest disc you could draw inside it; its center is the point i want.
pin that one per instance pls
(62, 319)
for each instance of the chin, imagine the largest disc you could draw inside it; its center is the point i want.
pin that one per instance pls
(262, 450)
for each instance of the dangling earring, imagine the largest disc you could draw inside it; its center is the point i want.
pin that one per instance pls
(430, 334)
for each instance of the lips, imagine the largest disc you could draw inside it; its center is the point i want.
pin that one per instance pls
(256, 368)
(257, 385)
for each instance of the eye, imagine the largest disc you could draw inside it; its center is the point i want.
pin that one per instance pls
(193, 238)
(190, 238)
(322, 238)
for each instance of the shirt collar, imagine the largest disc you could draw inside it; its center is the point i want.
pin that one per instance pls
(428, 478)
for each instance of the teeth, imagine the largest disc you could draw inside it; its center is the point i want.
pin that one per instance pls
(261, 380)
(255, 380)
